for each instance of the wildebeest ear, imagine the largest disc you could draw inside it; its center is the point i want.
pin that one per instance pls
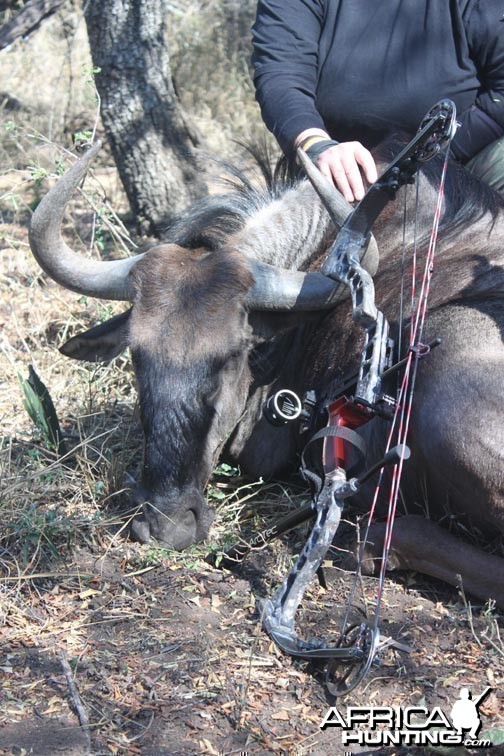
(102, 342)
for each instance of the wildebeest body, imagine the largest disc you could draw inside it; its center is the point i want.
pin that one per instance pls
(205, 360)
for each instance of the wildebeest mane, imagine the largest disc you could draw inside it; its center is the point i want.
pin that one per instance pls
(211, 220)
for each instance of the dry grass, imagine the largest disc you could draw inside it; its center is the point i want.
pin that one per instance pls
(211, 66)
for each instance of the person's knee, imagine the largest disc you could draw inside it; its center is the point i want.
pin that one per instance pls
(488, 165)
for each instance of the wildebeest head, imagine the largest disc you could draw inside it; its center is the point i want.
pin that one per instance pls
(190, 336)
(189, 343)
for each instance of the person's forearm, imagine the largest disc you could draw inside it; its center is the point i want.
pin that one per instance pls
(285, 61)
(287, 108)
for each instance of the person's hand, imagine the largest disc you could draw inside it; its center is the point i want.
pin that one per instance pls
(345, 164)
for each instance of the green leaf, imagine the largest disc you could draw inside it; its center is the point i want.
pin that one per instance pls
(40, 407)
(225, 469)
(61, 166)
(82, 136)
(38, 173)
(496, 737)
(214, 493)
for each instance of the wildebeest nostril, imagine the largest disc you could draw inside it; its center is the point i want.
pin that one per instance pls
(166, 520)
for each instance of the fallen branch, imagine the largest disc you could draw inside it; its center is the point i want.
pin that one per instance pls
(27, 20)
(77, 702)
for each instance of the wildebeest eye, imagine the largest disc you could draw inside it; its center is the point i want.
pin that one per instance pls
(212, 397)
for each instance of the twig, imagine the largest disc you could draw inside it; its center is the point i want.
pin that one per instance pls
(144, 731)
(37, 575)
(141, 572)
(120, 235)
(77, 702)
(468, 609)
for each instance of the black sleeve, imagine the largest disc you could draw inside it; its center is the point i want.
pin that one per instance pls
(285, 59)
(483, 123)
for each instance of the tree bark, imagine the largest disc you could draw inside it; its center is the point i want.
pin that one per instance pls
(8, 5)
(27, 20)
(151, 141)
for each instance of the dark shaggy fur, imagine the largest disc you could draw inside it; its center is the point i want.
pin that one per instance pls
(212, 220)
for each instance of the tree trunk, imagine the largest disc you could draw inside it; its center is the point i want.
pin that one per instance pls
(27, 20)
(151, 141)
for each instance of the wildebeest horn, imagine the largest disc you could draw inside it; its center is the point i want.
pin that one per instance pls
(279, 289)
(336, 205)
(96, 278)
(274, 288)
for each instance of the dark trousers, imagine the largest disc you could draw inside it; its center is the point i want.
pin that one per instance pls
(488, 165)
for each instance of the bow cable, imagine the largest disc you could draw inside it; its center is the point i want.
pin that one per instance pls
(405, 394)
(405, 399)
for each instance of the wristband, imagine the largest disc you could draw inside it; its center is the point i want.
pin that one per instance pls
(308, 141)
(319, 147)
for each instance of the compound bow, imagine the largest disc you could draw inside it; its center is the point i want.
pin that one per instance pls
(351, 658)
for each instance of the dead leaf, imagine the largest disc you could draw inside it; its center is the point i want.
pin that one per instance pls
(87, 593)
(491, 706)
(283, 715)
(54, 705)
(215, 601)
(207, 747)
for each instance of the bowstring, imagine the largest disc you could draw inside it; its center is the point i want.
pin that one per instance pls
(403, 266)
(405, 401)
(402, 413)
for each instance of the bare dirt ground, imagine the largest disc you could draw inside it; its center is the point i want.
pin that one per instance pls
(172, 660)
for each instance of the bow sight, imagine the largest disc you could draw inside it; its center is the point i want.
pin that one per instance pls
(352, 404)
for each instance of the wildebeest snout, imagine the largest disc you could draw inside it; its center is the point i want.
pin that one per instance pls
(177, 521)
